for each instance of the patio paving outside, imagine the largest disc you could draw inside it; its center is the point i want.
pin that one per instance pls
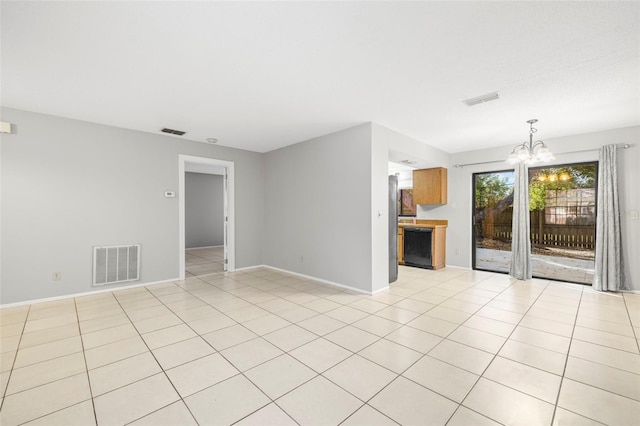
(553, 267)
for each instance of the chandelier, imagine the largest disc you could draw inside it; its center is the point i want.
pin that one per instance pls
(530, 152)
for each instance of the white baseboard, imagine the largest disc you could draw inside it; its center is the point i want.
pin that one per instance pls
(88, 293)
(309, 277)
(201, 248)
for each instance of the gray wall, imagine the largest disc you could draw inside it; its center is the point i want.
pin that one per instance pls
(68, 185)
(458, 209)
(204, 210)
(318, 207)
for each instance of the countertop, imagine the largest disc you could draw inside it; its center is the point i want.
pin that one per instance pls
(423, 223)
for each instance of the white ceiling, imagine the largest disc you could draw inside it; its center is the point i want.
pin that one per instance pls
(262, 75)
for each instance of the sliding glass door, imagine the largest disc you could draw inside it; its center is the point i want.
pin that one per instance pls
(562, 209)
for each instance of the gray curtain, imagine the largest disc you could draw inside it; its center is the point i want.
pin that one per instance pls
(609, 268)
(520, 243)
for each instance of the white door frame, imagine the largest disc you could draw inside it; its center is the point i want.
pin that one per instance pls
(229, 205)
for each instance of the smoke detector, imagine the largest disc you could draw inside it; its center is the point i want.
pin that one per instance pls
(482, 99)
(212, 140)
(408, 162)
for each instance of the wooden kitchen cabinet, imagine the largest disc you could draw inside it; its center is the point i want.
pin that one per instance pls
(430, 186)
(438, 241)
(401, 245)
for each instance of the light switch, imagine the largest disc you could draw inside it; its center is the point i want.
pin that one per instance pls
(633, 214)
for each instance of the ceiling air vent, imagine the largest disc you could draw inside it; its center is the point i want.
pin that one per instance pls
(173, 131)
(481, 99)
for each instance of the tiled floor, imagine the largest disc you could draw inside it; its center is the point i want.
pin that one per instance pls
(203, 261)
(259, 347)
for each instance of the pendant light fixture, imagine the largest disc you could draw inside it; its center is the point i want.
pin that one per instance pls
(530, 152)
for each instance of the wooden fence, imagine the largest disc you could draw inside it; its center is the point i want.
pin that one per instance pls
(569, 236)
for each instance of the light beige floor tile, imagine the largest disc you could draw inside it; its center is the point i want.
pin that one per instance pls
(8, 330)
(156, 323)
(411, 404)
(369, 306)
(46, 372)
(414, 305)
(49, 335)
(396, 314)
(616, 341)
(414, 339)
(462, 356)
(112, 352)
(507, 406)
(44, 352)
(352, 338)
(171, 415)
(196, 313)
(367, 416)
(167, 336)
(228, 337)
(321, 305)
(500, 315)
(451, 315)
(77, 415)
(271, 415)
(50, 322)
(211, 323)
(280, 375)
(100, 312)
(552, 362)
(347, 314)
(607, 378)
(564, 417)
(488, 325)
(566, 316)
(37, 402)
(597, 404)
(461, 305)
(319, 402)
(508, 306)
(14, 315)
(322, 324)
(609, 327)
(266, 324)
(121, 373)
(96, 324)
(251, 353)
(9, 344)
(182, 352)
(608, 356)
(4, 381)
(443, 378)
(541, 339)
(433, 325)
(376, 325)
(290, 337)
(477, 339)
(526, 379)
(149, 394)
(7, 361)
(297, 313)
(465, 417)
(320, 354)
(201, 373)
(360, 376)
(246, 313)
(390, 355)
(108, 335)
(226, 402)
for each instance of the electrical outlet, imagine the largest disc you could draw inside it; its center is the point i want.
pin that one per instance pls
(457, 251)
(633, 214)
(57, 276)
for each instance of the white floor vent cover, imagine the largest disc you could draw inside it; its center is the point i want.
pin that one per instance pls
(116, 264)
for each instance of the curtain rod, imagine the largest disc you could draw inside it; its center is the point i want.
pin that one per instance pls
(620, 145)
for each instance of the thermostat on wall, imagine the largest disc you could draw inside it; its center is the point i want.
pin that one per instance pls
(169, 194)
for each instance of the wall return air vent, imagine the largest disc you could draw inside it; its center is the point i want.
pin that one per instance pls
(116, 264)
(482, 99)
(173, 131)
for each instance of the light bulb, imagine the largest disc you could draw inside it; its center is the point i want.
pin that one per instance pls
(523, 154)
(512, 158)
(544, 154)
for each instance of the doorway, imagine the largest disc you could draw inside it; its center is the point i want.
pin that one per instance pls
(562, 209)
(188, 164)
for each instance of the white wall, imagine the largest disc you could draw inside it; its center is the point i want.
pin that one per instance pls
(458, 210)
(204, 210)
(318, 208)
(68, 185)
